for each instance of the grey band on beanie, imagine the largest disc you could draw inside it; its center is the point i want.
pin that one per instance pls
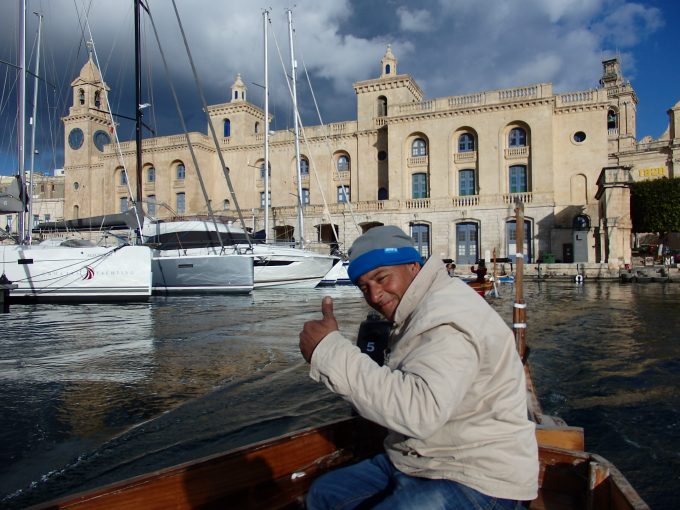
(386, 245)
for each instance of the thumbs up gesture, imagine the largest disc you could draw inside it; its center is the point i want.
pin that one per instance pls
(314, 331)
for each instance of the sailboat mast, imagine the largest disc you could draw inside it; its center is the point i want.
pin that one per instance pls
(138, 113)
(33, 123)
(265, 20)
(293, 67)
(21, 108)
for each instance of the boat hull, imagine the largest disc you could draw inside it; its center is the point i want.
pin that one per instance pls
(202, 273)
(289, 267)
(77, 274)
(277, 474)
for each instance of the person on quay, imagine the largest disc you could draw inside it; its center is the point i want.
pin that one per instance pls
(451, 392)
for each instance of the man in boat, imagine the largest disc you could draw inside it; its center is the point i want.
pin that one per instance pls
(451, 391)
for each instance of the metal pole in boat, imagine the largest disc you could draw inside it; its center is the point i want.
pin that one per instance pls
(138, 116)
(265, 19)
(33, 123)
(293, 67)
(21, 99)
(519, 310)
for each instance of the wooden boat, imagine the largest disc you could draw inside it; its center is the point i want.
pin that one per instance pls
(276, 474)
(482, 288)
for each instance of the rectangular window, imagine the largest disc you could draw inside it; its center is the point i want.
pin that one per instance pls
(269, 197)
(419, 185)
(420, 233)
(181, 172)
(466, 182)
(151, 205)
(518, 179)
(123, 204)
(305, 196)
(48, 217)
(343, 194)
(181, 203)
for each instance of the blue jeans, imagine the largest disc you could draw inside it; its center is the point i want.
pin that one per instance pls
(376, 483)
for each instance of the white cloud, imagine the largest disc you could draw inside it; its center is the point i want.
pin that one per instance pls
(416, 20)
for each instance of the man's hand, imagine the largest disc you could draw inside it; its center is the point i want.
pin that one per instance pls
(314, 331)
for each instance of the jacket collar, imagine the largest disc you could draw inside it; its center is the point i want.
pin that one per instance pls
(416, 291)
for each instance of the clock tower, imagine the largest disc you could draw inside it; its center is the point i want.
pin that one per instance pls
(87, 132)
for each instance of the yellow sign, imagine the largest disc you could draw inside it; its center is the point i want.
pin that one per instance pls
(652, 172)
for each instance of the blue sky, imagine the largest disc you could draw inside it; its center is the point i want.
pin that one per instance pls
(450, 47)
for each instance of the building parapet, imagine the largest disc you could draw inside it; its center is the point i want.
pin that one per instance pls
(494, 97)
(429, 204)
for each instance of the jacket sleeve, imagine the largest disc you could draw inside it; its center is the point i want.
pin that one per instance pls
(416, 398)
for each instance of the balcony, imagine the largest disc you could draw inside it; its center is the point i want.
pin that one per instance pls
(417, 161)
(341, 176)
(465, 157)
(517, 152)
(431, 205)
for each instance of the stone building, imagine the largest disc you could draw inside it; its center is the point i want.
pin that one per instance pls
(47, 199)
(448, 170)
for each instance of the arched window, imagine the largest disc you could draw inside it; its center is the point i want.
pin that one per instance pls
(466, 143)
(517, 138)
(227, 128)
(388, 68)
(343, 164)
(180, 203)
(343, 194)
(304, 166)
(81, 96)
(612, 120)
(418, 148)
(518, 179)
(466, 182)
(382, 194)
(225, 205)
(382, 106)
(151, 174)
(257, 127)
(181, 172)
(97, 99)
(419, 185)
(76, 212)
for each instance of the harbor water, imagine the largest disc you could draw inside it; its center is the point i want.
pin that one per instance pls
(92, 394)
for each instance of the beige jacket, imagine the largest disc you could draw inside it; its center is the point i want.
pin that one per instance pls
(452, 391)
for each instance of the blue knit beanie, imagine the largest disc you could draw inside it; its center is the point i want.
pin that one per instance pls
(380, 246)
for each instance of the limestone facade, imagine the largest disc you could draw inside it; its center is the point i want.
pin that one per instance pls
(448, 170)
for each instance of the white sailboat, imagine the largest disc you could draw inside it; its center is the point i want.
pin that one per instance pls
(72, 273)
(184, 258)
(274, 264)
(277, 264)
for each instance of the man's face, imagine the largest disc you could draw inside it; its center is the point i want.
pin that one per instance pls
(384, 286)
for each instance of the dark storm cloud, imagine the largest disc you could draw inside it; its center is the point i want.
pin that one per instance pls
(449, 46)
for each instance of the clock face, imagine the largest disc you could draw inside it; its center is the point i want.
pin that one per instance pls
(101, 138)
(75, 138)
